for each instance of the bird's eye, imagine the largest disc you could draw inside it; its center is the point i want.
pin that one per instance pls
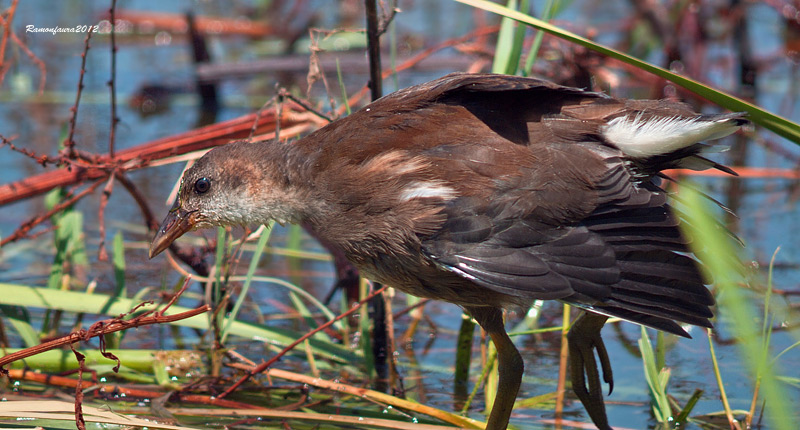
(202, 185)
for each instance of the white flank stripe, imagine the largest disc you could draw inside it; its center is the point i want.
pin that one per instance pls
(640, 138)
(431, 189)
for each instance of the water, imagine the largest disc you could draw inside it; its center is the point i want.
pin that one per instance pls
(768, 213)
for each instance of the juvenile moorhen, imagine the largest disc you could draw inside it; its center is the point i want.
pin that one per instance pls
(488, 191)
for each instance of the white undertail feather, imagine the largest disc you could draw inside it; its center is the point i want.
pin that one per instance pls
(642, 138)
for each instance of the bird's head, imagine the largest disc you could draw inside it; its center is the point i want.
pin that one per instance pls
(236, 184)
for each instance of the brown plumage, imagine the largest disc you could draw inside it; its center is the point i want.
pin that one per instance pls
(487, 191)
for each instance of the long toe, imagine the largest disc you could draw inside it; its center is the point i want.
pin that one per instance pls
(583, 339)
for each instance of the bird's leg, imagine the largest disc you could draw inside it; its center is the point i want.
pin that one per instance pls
(583, 338)
(510, 365)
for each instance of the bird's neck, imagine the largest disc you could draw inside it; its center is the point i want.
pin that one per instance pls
(283, 187)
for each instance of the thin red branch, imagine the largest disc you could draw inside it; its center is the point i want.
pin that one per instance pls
(111, 84)
(263, 366)
(23, 230)
(122, 392)
(102, 255)
(80, 423)
(69, 143)
(176, 23)
(149, 219)
(102, 328)
(98, 166)
(4, 41)
(40, 159)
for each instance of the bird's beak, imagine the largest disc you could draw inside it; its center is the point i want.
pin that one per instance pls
(177, 222)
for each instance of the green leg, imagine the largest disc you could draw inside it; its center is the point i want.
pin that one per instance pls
(584, 338)
(510, 365)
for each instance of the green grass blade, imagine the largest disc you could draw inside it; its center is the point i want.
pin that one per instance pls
(779, 125)
(294, 242)
(118, 261)
(18, 317)
(718, 375)
(75, 301)
(502, 51)
(262, 242)
(549, 11)
(656, 380)
(464, 353)
(340, 77)
(716, 250)
(365, 329)
(687, 409)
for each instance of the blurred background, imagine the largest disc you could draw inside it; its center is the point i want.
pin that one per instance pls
(173, 77)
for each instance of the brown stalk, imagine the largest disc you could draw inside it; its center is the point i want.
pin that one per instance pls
(111, 82)
(372, 395)
(374, 50)
(102, 255)
(4, 40)
(69, 143)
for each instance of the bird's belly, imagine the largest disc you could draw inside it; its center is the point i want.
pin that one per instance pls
(427, 281)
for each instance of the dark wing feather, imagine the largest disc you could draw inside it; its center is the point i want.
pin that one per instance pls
(522, 258)
(626, 257)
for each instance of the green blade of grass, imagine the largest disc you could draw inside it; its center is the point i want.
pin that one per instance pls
(509, 42)
(779, 125)
(505, 40)
(118, 260)
(262, 242)
(463, 353)
(656, 380)
(216, 293)
(549, 10)
(687, 409)
(717, 252)
(19, 319)
(75, 301)
(141, 360)
(365, 329)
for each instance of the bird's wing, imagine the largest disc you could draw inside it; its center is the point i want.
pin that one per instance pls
(607, 245)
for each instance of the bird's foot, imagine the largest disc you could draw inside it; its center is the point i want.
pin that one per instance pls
(583, 339)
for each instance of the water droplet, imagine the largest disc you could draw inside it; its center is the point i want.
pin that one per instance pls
(163, 38)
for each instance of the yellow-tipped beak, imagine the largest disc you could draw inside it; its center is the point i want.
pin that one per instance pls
(174, 226)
